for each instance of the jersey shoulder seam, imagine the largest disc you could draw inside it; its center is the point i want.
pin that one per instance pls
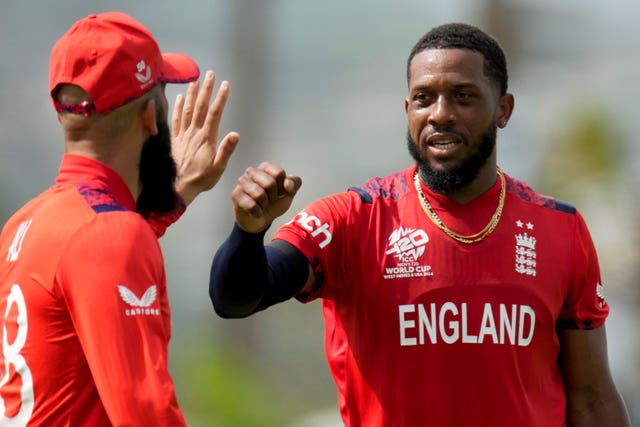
(391, 187)
(526, 193)
(99, 199)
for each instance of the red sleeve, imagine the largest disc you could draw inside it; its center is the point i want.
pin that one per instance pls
(319, 231)
(160, 223)
(113, 281)
(585, 307)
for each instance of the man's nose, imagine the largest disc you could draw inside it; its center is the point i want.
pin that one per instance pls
(442, 112)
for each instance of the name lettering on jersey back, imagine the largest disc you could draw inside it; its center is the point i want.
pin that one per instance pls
(449, 323)
(16, 244)
(315, 226)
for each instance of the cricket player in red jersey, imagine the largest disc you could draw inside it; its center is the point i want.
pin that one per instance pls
(453, 294)
(83, 297)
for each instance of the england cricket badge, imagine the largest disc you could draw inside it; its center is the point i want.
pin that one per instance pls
(525, 253)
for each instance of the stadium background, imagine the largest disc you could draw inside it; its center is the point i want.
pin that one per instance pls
(318, 87)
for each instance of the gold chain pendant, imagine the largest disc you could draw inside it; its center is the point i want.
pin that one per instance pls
(472, 238)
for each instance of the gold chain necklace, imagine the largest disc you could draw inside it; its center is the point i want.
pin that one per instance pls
(472, 238)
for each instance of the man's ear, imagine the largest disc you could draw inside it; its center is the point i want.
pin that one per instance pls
(505, 108)
(149, 116)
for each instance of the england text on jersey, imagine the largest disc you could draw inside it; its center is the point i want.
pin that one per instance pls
(449, 323)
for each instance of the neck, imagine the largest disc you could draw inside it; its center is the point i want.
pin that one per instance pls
(115, 139)
(469, 238)
(123, 159)
(484, 180)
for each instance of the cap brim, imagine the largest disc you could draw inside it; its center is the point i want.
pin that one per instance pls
(178, 68)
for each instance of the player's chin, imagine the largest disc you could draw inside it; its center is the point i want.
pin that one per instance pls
(444, 166)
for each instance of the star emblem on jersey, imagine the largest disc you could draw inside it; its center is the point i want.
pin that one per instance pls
(407, 245)
(139, 306)
(525, 253)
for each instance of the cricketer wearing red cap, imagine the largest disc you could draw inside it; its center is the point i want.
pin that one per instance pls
(83, 297)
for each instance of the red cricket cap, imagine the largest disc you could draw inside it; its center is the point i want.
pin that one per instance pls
(115, 59)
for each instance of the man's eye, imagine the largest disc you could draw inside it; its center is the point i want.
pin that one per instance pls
(464, 96)
(421, 98)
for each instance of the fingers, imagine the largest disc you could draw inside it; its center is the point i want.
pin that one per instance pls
(281, 184)
(262, 183)
(250, 205)
(261, 195)
(267, 184)
(189, 104)
(202, 101)
(193, 110)
(195, 123)
(292, 184)
(176, 116)
(214, 114)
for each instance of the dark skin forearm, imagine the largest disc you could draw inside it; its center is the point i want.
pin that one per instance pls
(599, 414)
(592, 397)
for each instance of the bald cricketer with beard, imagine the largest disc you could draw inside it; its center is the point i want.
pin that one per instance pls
(85, 314)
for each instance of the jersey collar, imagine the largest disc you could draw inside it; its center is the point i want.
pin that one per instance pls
(76, 169)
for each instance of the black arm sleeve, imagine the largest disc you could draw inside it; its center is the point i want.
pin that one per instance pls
(247, 277)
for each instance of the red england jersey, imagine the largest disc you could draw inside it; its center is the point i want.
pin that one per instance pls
(423, 330)
(85, 314)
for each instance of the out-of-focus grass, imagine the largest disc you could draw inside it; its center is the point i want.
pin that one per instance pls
(219, 389)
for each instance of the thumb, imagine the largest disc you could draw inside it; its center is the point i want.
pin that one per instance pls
(226, 149)
(292, 184)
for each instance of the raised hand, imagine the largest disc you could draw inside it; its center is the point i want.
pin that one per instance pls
(261, 195)
(194, 135)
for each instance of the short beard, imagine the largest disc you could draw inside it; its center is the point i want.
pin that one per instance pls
(157, 173)
(457, 178)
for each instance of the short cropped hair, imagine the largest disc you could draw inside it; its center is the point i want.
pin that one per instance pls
(465, 36)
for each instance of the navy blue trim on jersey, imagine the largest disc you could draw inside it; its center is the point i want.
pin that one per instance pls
(107, 208)
(525, 192)
(563, 206)
(100, 200)
(390, 187)
(364, 195)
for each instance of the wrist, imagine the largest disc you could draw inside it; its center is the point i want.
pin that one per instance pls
(249, 233)
(187, 191)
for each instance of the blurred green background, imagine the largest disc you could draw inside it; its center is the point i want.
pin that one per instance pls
(318, 87)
